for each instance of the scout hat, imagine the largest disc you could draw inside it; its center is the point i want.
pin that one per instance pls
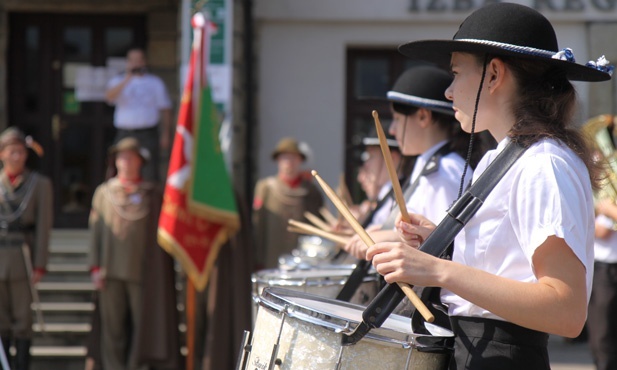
(507, 29)
(423, 87)
(288, 145)
(13, 135)
(130, 143)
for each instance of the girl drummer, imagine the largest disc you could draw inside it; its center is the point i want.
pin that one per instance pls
(424, 126)
(522, 266)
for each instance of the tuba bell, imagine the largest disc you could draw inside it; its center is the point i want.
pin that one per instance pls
(600, 130)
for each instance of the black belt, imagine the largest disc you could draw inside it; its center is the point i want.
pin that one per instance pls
(497, 330)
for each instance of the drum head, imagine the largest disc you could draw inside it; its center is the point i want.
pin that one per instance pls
(337, 315)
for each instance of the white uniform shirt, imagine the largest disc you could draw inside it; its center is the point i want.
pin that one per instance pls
(436, 191)
(546, 192)
(381, 215)
(606, 249)
(138, 105)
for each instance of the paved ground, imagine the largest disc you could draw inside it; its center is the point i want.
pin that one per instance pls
(566, 355)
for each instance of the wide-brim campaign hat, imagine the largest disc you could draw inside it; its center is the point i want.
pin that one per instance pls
(507, 29)
(288, 145)
(423, 86)
(130, 144)
(13, 135)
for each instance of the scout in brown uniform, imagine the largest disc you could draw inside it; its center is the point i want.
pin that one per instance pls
(123, 223)
(25, 217)
(279, 198)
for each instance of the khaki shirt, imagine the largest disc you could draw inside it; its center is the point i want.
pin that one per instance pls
(27, 204)
(274, 204)
(120, 228)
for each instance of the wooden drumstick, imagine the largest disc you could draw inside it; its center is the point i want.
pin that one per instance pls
(306, 228)
(366, 238)
(387, 156)
(317, 221)
(328, 215)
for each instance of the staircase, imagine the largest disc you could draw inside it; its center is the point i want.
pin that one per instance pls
(66, 303)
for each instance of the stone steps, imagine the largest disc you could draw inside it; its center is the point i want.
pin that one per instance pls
(66, 294)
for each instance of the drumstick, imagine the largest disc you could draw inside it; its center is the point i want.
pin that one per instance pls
(313, 230)
(366, 238)
(328, 215)
(339, 240)
(317, 221)
(396, 186)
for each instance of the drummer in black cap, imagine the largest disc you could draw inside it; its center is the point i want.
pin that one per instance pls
(522, 266)
(424, 126)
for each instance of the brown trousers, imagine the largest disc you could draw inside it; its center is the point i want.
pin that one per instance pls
(15, 312)
(120, 304)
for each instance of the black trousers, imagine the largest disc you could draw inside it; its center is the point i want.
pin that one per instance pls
(602, 316)
(486, 344)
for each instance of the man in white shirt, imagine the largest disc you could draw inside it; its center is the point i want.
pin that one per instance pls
(141, 101)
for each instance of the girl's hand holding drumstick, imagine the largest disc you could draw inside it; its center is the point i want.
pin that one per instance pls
(411, 295)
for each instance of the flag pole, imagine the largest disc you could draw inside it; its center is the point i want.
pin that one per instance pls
(190, 324)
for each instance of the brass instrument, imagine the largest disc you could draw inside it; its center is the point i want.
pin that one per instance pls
(601, 131)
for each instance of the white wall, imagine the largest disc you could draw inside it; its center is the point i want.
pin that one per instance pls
(302, 84)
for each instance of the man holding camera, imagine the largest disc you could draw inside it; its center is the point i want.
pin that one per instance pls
(141, 101)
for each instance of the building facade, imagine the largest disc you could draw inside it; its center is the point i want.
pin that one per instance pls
(55, 57)
(321, 64)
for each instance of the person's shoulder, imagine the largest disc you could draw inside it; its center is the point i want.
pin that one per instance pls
(152, 78)
(453, 165)
(553, 151)
(116, 79)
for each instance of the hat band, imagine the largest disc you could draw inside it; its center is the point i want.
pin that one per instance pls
(516, 48)
(423, 102)
(566, 54)
(367, 141)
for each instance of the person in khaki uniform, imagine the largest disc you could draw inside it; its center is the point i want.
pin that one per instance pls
(122, 223)
(25, 221)
(277, 199)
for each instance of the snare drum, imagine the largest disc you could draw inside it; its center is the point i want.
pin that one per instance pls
(296, 330)
(326, 281)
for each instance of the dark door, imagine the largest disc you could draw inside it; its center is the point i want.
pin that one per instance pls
(48, 55)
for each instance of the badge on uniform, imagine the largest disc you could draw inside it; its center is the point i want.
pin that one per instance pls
(135, 198)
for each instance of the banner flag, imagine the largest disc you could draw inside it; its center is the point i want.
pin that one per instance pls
(199, 211)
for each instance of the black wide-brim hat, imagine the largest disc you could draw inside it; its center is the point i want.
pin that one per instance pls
(508, 29)
(423, 86)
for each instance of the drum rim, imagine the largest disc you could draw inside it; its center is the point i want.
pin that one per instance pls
(298, 281)
(273, 298)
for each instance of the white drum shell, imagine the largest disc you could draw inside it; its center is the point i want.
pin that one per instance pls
(312, 341)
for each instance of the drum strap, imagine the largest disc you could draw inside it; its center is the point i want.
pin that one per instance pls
(438, 242)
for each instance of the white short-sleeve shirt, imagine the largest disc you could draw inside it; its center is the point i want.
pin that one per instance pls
(139, 104)
(546, 192)
(436, 191)
(381, 215)
(606, 249)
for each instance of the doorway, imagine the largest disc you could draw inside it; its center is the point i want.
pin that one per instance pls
(52, 57)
